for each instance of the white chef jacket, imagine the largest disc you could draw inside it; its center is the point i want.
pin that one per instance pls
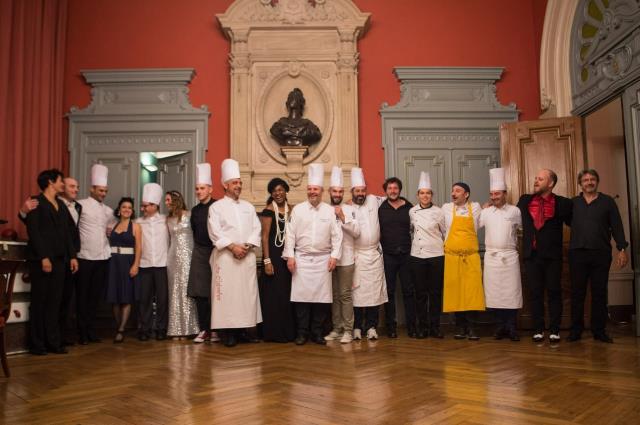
(350, 230)
(233, 222)
(427, 229)
(313, 230)
(95, 218)
(155, 240)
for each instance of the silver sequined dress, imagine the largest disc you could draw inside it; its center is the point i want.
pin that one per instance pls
(183, 319)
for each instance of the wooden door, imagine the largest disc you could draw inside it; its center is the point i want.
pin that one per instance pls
(529, 146)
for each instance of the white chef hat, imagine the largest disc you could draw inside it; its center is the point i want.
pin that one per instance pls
(316, 175)
(203, 173)
(336, 177)
(99, 175)
(496, 179)
(152, 193)
(357, 177)
(230, 170)
(425, 181)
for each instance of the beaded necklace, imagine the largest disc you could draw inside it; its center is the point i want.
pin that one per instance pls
(279, 239)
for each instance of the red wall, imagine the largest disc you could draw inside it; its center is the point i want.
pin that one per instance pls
(173, 34)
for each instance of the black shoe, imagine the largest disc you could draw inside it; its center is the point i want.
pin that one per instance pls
(83, 341)
(392, 333)
(472, 335)
(318, 339)
(38, 352)
(500, 333)
(143, 336)
(421, 334)
(461, 333)
(67, 343)
(162, 335)
(247, 337)
(58, 350)
(94, 339)
(230, 340)
(411, 333)
(301, 340)
(513, 336)
(436, 333)
(603, 337)
(574, 336)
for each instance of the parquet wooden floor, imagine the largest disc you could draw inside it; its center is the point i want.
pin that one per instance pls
(383, 382)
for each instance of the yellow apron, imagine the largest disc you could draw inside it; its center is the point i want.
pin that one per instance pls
(462, 271)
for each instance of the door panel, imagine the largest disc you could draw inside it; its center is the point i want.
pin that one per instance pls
(174, 173)
(123, 175)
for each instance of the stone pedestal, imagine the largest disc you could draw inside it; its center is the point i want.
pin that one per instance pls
(294, 156)
(275, 47)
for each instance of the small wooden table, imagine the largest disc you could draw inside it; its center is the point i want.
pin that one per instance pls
(12, 260)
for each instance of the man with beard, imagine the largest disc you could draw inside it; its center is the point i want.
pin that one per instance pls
(395, 238)
(342, 275)
(49, 252)
(462, 289)
(595, 219)
(96, 220)
(199, 287)
(313, 245)
(543, 214)
(68, 198)
(369, 284)
(235, 231)
(502, 287)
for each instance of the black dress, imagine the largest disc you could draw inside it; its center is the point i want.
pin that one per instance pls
(275, 292)
(121, 288)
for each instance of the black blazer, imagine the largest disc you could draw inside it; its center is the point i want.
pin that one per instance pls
(73, 226)
(48, 230)
(549, 237)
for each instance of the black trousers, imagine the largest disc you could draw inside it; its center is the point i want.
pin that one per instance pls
(90, 289)
(203, 306)
(44, 310)
(311, 318)
(506, 318)
(545, 273)
(70, 282)
(589, 265)
(428, 279)
(153, 285)
(368, 315)
(394, 265)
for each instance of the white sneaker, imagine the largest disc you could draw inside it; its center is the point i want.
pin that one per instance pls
(372, 334)
(538, 337)
(554, 337)
(357, 334)
(214, 337)
(333, 335)
(346, 338)
(202, 337)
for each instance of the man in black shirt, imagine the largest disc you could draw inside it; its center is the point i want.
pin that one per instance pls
(199, 286)
(395, 238)
(595, 219)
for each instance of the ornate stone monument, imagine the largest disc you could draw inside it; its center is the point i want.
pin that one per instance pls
(279, 46)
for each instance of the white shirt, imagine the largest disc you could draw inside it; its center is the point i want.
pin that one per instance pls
(71, 206)
(427, 230)
(350, 231)
(155, 240)
(233, 222)
(96, 217)
(367, 215)
(501, 227)
(313, 230)
(462, 211)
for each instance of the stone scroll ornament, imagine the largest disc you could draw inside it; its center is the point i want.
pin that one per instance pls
(294, 130)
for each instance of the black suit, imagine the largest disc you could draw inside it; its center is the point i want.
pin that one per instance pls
(49, 237)
(543, 262)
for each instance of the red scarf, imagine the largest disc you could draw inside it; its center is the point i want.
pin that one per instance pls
(541, 210)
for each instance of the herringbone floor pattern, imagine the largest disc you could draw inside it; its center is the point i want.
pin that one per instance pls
(383, 382)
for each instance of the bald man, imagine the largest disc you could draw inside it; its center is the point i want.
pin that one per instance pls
(543, 213)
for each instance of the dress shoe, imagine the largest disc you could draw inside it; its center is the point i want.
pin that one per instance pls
(436, 333)
(94, 339)
(143, 336)
(247, 337)
(461, 333)
(301, 340)
(500, 333)
(513, 336)
(411, 333)
(161, 335)
(38, 352)
(58, 350)
(230, 340)
(421, 334)
(68, 343)
(318, 339)
(472, 335)
(603, 337)
(574, 336)
(392, 333)
(83, 341)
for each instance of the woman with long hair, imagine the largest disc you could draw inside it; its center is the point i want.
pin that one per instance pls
(126, 245)
(183, 318)
(275, 283)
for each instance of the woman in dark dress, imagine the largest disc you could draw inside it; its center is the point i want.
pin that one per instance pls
(275, 283)
(126, 243)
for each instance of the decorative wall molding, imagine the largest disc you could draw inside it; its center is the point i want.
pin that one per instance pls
(605, 51)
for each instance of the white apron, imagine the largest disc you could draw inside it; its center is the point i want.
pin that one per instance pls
(369, 283)
(311, 282)
(502, 287)
(234, 291)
